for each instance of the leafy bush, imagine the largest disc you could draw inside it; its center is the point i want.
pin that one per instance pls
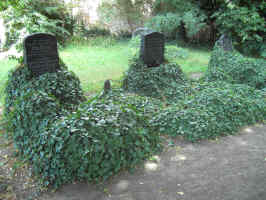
(31, 16)
(166, 81)
(235, 68)
(65, 139)
(168, 24)
(217, 109)
(245, 22)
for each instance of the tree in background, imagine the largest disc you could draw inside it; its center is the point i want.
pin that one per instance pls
(30, 16)
(243, 20)
(189, 20)
(127, 13)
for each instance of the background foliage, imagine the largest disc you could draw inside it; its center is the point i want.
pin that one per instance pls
(127, 12)
(244, 20)
(26, 17)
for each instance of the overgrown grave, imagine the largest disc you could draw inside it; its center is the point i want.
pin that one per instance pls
(150, 74)
(41, 54)
(152, 48)
(225, 42)
(231, 96)
(226, 64)
(65, 137)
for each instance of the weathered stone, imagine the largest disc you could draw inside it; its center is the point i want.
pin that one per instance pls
(41, 54)
(225, 42)
(141, 31)
(107, 86)
(152, 49)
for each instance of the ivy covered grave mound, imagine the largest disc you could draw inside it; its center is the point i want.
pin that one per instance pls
(66, 138)
(216, 109)
(166, 81)
(232, 67)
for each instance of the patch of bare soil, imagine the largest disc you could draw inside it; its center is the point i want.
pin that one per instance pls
(16, 182)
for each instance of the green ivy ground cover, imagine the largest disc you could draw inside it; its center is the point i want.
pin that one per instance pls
(166, 82)
(219, 109)
(234, 68)
(66, 137)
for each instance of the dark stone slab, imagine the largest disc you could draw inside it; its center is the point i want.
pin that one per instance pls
(225, 42)
(41, 54)
(152, 49)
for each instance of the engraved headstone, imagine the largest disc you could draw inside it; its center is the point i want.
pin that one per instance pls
(40, 53)
(225, 42)
(152, 49)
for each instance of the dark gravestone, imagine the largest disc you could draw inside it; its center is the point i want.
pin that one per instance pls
(40, 53)
(107, 86)
(152, 49)
(225, 42)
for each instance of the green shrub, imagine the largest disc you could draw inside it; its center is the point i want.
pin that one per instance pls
(235, 68)
(168, 24)
(218, 109)
(31, 16)
(67, 140)
(166, 81)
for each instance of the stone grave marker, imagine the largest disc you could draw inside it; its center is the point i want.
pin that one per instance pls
(225, 42)
(141, 31)
(40, 53)
(152, 49)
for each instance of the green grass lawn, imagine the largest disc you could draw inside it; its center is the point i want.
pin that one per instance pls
(5, 66)
(94, 64)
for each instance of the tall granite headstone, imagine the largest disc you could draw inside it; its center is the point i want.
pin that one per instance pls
(41, 54)
(225, 42)
(152, 49)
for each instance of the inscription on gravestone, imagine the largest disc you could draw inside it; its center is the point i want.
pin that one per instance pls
(152, 49)
(40, 53)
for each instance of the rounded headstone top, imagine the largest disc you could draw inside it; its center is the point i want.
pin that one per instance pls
(40, 53)
(225, 42)
(141, 31)
(36, 35)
